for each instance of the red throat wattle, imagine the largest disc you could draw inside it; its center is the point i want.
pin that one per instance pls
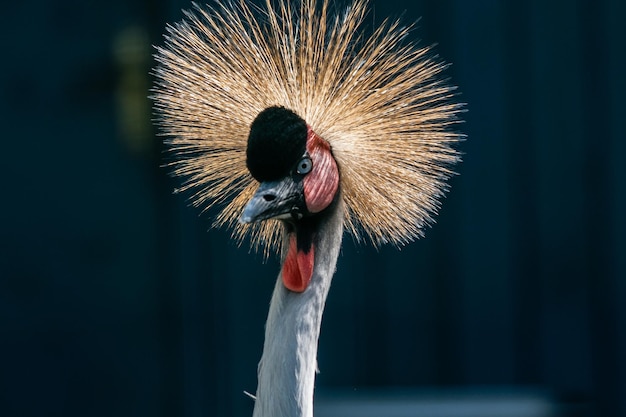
(298, 266)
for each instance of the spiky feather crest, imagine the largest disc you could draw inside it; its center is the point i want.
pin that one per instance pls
(378, 100)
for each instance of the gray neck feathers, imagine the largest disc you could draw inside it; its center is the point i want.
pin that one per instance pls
(287, 369)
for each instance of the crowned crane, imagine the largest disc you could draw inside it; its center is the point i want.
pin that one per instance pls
(299, 125)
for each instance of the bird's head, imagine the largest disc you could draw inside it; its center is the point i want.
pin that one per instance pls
(382, 114)
(298, 179)
(297, 172)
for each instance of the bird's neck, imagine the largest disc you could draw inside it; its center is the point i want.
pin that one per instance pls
(287, 369)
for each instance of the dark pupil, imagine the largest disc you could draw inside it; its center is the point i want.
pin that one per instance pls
(304, 167)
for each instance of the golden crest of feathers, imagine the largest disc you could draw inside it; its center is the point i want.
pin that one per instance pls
(378, 100)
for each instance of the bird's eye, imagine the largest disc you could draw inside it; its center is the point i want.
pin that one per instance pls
(304, 166)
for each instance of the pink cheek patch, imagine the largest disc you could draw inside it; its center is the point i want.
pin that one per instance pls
(320, 185)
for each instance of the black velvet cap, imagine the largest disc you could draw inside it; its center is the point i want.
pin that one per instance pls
(276, 142)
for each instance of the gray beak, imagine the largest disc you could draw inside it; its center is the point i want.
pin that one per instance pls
(274, 199)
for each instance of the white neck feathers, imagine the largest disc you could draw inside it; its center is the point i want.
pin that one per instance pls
(287, 369)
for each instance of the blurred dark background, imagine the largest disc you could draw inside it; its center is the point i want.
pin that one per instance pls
(116, 299)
